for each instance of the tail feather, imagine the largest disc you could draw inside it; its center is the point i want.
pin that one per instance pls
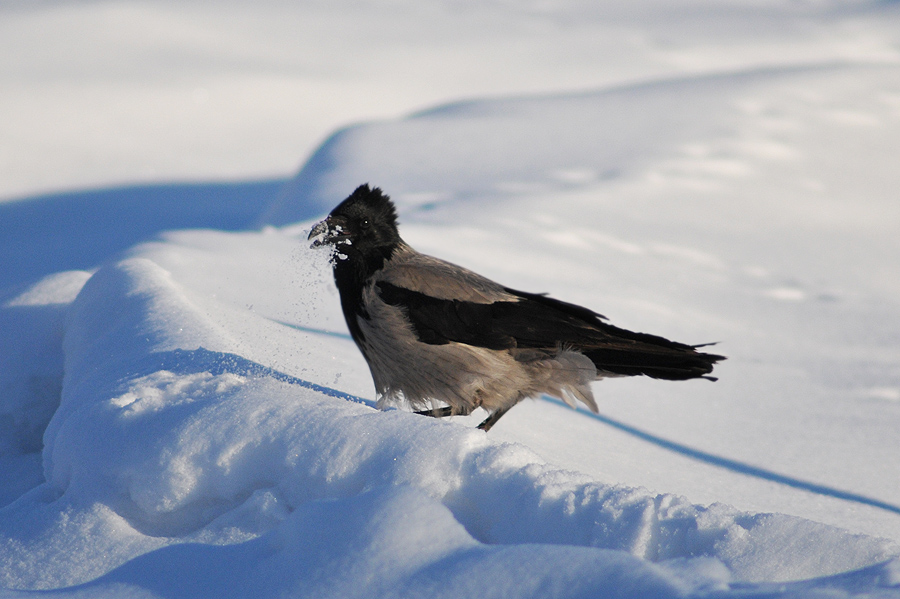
(541, 322)
(635, 354)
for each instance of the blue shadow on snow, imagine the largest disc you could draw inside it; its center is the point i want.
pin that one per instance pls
(191, 361)
(734, 465)
(79, 230)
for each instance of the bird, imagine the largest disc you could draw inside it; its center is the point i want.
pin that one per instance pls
(445, 340)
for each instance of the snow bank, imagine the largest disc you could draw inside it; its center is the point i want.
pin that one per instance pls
(177, 467)
(700, 131)
(191, 420)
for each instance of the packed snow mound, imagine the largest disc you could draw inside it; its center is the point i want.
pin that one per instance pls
(700, 129)
(178, 450)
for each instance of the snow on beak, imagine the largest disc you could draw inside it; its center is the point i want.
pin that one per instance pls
(327, 232)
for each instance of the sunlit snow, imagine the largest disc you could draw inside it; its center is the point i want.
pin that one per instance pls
(182, 413)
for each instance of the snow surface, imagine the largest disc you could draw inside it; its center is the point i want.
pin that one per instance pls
(183, 415)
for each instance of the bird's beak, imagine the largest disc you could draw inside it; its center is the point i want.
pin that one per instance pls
(327, 232)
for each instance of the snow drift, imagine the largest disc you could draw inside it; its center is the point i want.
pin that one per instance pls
(188, 418)
(165, 435)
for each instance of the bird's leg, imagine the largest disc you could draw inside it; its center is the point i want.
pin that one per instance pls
(437, 412)
(449, 411)
(492, 419)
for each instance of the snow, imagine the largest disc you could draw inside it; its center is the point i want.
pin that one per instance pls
(182, 413)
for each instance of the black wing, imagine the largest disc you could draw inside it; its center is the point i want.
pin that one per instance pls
(538, 322)
(440, 321)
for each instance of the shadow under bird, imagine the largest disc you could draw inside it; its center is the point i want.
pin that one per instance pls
(435, 333)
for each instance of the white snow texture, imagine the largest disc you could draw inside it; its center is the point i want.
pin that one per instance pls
(182, 413)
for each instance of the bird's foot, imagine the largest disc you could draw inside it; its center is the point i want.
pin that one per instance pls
(437, 412)
(492, 419)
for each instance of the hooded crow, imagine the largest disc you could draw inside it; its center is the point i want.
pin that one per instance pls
(435, 333)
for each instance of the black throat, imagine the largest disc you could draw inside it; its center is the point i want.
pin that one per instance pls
(353, 269)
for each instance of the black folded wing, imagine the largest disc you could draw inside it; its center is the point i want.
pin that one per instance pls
(440, 321)
(538, 322)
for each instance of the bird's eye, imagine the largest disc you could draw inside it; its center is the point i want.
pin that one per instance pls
(364, 224)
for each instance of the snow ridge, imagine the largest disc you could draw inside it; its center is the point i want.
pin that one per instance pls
(169, 443)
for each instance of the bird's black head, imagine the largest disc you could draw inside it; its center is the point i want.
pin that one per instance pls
(362, 227)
